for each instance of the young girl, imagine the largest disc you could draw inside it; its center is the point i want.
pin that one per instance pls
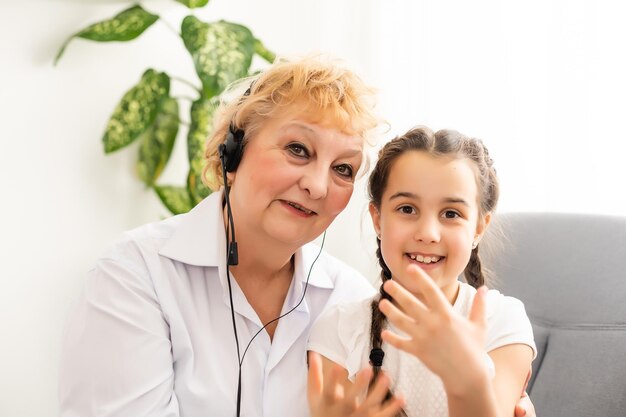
(451, 348)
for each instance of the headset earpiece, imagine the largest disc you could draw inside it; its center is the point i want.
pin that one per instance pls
(232, 148)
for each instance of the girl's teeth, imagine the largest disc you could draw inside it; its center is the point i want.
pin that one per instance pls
(425, 259)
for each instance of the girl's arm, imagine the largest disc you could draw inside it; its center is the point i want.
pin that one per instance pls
(331, 394)
(502, 393)
(512, 363)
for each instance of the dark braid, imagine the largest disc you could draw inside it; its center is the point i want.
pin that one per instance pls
(489, 188)
(378, 324)
(473, 271)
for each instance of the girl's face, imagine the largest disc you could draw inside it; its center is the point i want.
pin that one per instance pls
(295, 177)
(429, 216)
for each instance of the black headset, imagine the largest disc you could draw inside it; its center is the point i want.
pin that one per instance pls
(231, 150)
(230, 153)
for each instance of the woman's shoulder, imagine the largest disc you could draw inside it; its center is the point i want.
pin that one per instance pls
(185, 237)
(142, 240)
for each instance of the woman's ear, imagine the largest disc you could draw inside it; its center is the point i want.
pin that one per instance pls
(375, 218)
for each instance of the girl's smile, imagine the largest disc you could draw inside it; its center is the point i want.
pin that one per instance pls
(426, 261)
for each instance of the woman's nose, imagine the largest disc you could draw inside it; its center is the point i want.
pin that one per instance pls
(315, 182)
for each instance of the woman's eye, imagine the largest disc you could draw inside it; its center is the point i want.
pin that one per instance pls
(451, 214)
(298, 149)
(345, 170)
(406, 210)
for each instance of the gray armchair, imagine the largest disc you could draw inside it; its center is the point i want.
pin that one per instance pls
(570, 272)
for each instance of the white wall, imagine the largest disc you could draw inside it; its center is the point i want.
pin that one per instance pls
(541, 82)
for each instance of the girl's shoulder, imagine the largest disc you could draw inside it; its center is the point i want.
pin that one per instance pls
(349, 312)
(497, 303)
(341, 332)
(507, 321)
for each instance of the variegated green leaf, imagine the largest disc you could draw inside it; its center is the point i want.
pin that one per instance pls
(157, 142)
(136, 111)
(202, 111)
(124, 26)
(263, 52)
(221, 51)
(193, 3)
(197, 189)
(176, 199)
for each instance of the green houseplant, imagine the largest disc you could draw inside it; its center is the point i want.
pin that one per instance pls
(221, 51)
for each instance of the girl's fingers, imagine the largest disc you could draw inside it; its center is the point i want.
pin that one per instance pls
(359, 387)
(433, 296)
(478, 313)
(409, 303)
(397, 317)
(392, 407)
(376, 399)
(315, 377)
(333, 390)
(403, 343)
(377, 394)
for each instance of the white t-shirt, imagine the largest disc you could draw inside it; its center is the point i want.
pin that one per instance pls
(152, 333)
(342, 334)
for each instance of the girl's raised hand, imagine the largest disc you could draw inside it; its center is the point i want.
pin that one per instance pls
(328, 397)
(449, 344)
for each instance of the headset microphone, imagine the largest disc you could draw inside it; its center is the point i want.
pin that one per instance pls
(233, 257)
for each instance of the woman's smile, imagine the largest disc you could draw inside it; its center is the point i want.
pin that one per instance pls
(297, 209)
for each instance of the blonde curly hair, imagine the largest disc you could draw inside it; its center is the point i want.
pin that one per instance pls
(322, 89)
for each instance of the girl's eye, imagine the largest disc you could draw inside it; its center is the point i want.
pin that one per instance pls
(406, 210)
(345, 170)
(451, 214)
(298, 149)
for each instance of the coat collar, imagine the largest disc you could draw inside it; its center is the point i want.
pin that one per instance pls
(199, 238)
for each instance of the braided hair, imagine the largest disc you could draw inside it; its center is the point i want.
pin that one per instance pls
(378, 323)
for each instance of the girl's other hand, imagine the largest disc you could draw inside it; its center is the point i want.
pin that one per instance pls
(329, 398)
(525, 407)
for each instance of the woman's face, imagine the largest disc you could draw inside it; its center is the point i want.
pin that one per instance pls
(295, 177)
(429, 216)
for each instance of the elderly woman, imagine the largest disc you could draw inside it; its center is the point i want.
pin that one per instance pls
(208, 313)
